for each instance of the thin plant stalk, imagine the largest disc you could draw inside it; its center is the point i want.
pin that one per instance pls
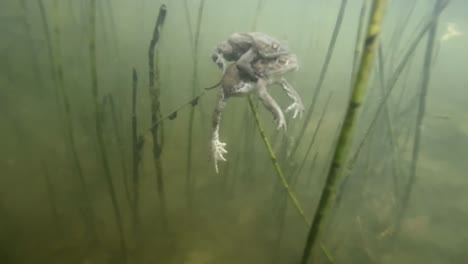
(420, 116)
(312, 169)
(278, 169)
(68, 125)
(396, 170)
(279, 172)
(282, 216)
(323, 72)
(121, 148)
(347, 130)
(309, 148)
(33, 49)
(136, 158)
(51, 195)
(99, 129)
(156, 116)
(189, 177)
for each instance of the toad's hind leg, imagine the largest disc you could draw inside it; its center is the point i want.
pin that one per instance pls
(270, 103)
(217, 147)
(297, 104)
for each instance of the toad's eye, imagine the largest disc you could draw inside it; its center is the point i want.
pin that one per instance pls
(275, 46)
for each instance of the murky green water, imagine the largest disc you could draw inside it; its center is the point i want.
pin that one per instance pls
(52, 213)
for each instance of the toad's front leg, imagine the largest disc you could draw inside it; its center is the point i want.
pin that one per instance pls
(217, 147)
(297, 104)
(270, 103)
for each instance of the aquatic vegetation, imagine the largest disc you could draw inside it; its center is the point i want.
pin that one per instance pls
(346, 133)
(96, 170)
(157, 129)
(99, 131)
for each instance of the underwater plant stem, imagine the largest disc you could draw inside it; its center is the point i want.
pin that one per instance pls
(396, 170)
(309, 147)
(312, 169)
(136, 147)
(156, 116)
(258, 9)
(323, 72)
(51, 195)
(345, 137)
(275, 162)
(358, 46)
(189, 177)
(121, 147)
(420, 117)
(99, 131)
(397, 73)
(33, 49)
(282, 216)
(280, 173)
(68, 125)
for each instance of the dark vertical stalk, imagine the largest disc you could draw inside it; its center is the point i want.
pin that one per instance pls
(420, 115)
(323, 72)
(68, 126)
(99, 131)
(121, 147)
(156, 116)
(137, 144)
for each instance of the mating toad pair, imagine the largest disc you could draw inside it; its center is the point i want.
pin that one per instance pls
(258, 60)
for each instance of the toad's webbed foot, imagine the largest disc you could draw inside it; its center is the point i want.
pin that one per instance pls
(298, 109)
(217, 147)
(297, 104)
(218, 150)
(281, 121)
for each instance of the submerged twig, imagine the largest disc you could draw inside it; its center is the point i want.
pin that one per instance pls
(345, 137)
(155, 93)
(99, 131)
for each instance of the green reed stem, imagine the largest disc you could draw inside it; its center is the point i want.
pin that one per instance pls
(345, 137)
